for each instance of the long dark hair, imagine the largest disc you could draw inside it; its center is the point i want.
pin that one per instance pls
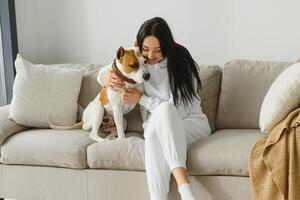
(182, 69)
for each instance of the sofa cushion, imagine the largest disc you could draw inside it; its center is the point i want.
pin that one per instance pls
(47, 147)
(210, 76)
(89, 87)
(282, 97)
(124, 154)
(7, 126)
(244, 86)
(225, 152)
(42, 90)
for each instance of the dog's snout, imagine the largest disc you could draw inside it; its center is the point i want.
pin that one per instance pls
(146, 76)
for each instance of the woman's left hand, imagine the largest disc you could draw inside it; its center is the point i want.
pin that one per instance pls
(131, 95)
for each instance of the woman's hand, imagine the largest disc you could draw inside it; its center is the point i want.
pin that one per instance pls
(112, 81)
(131, 95)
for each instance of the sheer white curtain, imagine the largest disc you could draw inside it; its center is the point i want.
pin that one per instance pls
(2, 77)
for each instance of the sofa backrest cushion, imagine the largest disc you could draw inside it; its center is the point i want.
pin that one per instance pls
(210, 77)
(244, 86)
(41, 91)
(89, 86)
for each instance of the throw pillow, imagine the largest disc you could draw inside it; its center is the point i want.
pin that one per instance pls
(282, 97)
(40, 91)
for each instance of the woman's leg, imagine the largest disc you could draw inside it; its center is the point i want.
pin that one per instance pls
(180, 176)
(157, 168)
(165, 147)
(195, 130)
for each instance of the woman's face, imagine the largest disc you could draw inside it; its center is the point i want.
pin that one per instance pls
(151, 50)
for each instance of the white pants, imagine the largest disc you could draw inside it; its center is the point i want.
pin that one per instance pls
(167, 137)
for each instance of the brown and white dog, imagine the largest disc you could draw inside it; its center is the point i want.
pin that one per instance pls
(130, 66)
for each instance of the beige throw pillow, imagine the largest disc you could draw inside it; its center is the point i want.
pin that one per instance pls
(41, 90)
(282, 97)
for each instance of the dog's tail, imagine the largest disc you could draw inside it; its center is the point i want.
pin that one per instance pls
(77, 125)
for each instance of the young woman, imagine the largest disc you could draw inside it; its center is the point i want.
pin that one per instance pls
(175, 118)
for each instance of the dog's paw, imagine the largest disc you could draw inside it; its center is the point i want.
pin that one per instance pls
(111, 136)
(97, 138)
(121, 136)
(107, 140)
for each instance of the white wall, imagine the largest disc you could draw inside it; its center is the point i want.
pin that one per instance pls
(90, 31)
(265, 29)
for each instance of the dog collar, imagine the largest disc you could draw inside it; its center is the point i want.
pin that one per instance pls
(120, 75)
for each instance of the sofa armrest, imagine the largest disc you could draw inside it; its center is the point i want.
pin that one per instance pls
(7, 126)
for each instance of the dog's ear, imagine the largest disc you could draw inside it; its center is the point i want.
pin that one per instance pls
(120, 53)
(136, 44)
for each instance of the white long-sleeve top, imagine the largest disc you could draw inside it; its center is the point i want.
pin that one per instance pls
(157, 90)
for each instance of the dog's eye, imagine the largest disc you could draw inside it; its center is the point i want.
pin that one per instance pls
(135, 65)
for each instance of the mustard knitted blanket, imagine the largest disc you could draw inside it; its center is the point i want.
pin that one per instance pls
(274, 164)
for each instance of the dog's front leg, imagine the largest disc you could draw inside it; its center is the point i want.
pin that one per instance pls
(118, 116)
(96, 122)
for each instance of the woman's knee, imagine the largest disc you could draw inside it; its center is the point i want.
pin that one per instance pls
(165, 108)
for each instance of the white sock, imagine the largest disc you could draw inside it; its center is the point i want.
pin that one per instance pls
(186, 192)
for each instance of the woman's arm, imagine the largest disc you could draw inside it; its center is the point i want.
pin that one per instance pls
(101, 75)
(132, 95)
(106, 77)
(151, 103)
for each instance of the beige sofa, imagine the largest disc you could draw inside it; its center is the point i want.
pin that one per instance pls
(42, 164)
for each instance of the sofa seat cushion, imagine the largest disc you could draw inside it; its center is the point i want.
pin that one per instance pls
(47, 147)
(121, 154)
(225, 152)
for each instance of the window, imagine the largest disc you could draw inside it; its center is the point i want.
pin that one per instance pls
(8, 49)
(3, 100)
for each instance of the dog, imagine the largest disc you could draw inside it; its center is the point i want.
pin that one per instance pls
(130, 66)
